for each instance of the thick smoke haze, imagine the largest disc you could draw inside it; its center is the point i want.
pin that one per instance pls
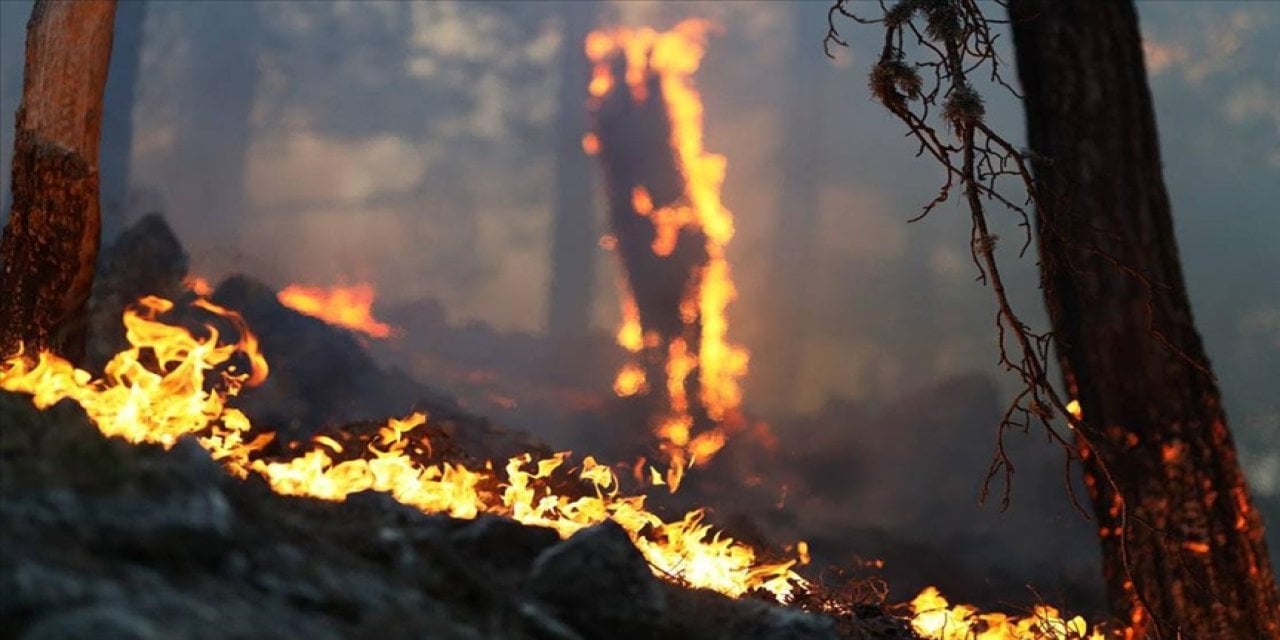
(411, 145)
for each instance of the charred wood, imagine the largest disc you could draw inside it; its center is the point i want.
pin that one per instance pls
(634, 134)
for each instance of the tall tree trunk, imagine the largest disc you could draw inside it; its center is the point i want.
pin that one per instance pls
(51, 241)
(574, 225)
(796, 234)
(117, 115)
(1183, 547)
(637, 155)
(207, 186)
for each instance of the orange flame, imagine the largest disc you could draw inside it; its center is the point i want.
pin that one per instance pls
(198, 285)
(630, 334)
(183, 384)
(348, 307)
(184, 388)
(630, 381)
(933, 619)
(674, 56)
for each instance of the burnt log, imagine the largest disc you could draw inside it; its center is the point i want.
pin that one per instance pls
(50, 243)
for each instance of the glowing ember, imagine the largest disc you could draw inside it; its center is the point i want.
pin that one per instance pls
(184, 388)
(673, 57)
(348, 307)
(1073, 407)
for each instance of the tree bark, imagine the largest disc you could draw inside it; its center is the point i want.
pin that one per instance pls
(1183, 548)
(50, 243)
(574, 226)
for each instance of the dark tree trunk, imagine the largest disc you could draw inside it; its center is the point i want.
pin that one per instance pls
(51, 241)
(574, 224)
(1183, 547)
(207, 184)
(635, 149)
(117, 115)
(796, 233)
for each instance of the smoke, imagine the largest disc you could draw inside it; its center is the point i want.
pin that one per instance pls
(410, 145)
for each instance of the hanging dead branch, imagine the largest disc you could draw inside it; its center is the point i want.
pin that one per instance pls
(923, 76)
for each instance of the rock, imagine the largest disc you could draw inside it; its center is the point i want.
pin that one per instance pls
(598, 582)
(710, 615)
(503, 542)
(195, 462)
(98, 622)
(758, 619)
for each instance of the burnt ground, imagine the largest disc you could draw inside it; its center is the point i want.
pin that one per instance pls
(103, 539)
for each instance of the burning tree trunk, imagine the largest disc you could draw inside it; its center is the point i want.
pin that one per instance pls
(1183, 547)
(51, 242)
(643, 177)
(669, 230)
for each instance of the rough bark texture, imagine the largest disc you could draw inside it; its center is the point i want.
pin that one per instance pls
(1183, 548)
(635, 149)
(574, 232)
(50, 243)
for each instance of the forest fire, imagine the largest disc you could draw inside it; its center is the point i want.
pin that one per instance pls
(643, 75)
(344, 306)
(407, 471)
(171, 383)
(176, 396)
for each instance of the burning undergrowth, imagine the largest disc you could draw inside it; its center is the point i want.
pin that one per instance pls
(108, 539)
(433, 463)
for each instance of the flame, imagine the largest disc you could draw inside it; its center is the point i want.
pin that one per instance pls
(674, 56)
(198, 285)
(1073, 407)
(348, 307)
(182, 387)
(630, 380)
(932, 618)
(183, 383)
(630, 334)
(590, 144)
(148, 403)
